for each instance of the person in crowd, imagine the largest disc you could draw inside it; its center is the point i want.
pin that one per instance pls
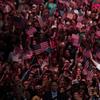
(54, 93)
(49, 50)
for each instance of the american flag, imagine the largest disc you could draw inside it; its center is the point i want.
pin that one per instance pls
(41, 47)
(88, 70)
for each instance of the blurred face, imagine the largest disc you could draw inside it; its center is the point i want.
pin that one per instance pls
(67, 53)
(46, 12)
(56, 14)
(36, 24)
(51, 1)
(26, 84)
(30, 76)
(54, 86)
(65, 69)
(77, 96)
(55, 77)
(61, 84)
(19, 71)
(45, 68)
(17, 78)
(91, 91)
(45, 77)
(78, 71)
(34, 10)
(41, 7)
(66, 63)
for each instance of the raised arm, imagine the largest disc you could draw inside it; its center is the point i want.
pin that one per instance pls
(97, 65)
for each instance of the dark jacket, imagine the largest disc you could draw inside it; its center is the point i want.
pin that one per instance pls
(48, 96)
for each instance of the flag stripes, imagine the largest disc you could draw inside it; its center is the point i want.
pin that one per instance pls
(40, 48)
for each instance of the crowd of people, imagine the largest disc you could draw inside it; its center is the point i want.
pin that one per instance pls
(49, 50)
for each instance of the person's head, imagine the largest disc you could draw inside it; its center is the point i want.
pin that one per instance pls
(36, 23)
(36, 98)
(45, 77)
(17, 78)
(67, 53)
(55, 76)
(30, 76)
(66, 63)
(65, 70)
(77, 96)
(78, 71)
(46, 12)
(26, 84)
(39, 89)
(54, 86)
(41, 7)
(45, 68)
(56, 14)
(92, 91)
(51, 1)
(62, 84)
(34, 9)
(19, 71)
